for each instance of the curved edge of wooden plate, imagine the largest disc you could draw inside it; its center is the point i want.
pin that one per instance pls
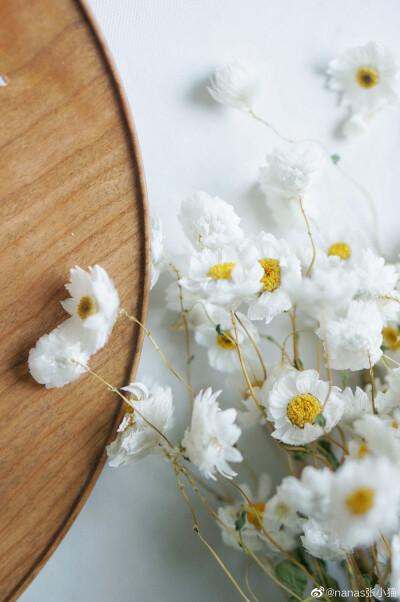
(136, 349)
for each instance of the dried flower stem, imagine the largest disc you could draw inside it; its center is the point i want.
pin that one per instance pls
(250, 552)
(187, 338)
(310, 237)
(292, 317)
(254, 345)
(124, 313)
(197, 530)
(371, 371)
(127, 401)
(271, 539)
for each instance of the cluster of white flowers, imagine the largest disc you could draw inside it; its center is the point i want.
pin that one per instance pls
(61, 356)
(331, 293)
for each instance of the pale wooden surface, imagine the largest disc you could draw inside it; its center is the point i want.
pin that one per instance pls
(71, 192)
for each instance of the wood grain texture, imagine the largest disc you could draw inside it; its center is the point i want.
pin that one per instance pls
(71, 192)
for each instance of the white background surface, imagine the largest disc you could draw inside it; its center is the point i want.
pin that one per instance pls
(133, 540)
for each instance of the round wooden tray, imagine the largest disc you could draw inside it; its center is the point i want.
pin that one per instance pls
(71, 192)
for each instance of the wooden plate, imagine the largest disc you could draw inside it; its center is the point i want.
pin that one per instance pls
(71, 192)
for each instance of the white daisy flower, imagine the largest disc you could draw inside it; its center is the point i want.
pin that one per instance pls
(390, 398)
(342, 245)
(159, 251)
(279, 263)
(236, 85)
(251, 532)
(136, 438)
(391, 339)
(220, 341)
(296, 401)
(357, 404)
(251, 416)
(209, 221)
(377, 283)
(226, 276)
(320, 543)
(356, 339)
(380, 436)
(93, 307)
(290, 176)
(282, 523)
(364, 500)
(328, 289)
(210, 439)
(57, 361)
(308, 495)
(366, 77)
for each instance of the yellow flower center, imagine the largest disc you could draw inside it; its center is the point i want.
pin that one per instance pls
(221, 271)
(367, 77)
(272, 274)
(363, 450)
(361, 500)
(303, 409)
(256, 515)
(395, 424)
(391, 336)
(226, 341)
(340, 249)
(86, 307)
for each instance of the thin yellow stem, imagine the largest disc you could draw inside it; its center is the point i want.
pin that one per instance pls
(213, 552)
(268, 125)
(310, 237)
(371, 371)
(295, 343)
(250, 386)
(124, 313)
(187, 336)
(249, 551)
(128, 401)
(291, 558)
(254, 345)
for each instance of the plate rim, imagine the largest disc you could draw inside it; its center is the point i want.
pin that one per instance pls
(137, 165)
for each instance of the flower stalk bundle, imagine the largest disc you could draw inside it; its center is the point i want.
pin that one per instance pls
(337, 301)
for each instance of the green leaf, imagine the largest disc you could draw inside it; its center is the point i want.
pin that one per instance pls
(298, 362)
(384, 347)
(190, 360)
(335, 159)
(320, 420)
(219, 330)
(239, 523)
(292, 575)
(328, 453)
(345, 377)
(300, 555)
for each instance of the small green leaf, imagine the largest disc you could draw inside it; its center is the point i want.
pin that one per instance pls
(262, 407)
(239, 523)
(384, 348)
(335, 159)
(298, 363)
(292, 575)
(328, 453)
(345, 377)
(219, 330)
(320, 420)
(270, 338)
(190, 360)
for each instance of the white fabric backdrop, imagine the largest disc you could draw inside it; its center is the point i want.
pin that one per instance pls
(133, 539)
